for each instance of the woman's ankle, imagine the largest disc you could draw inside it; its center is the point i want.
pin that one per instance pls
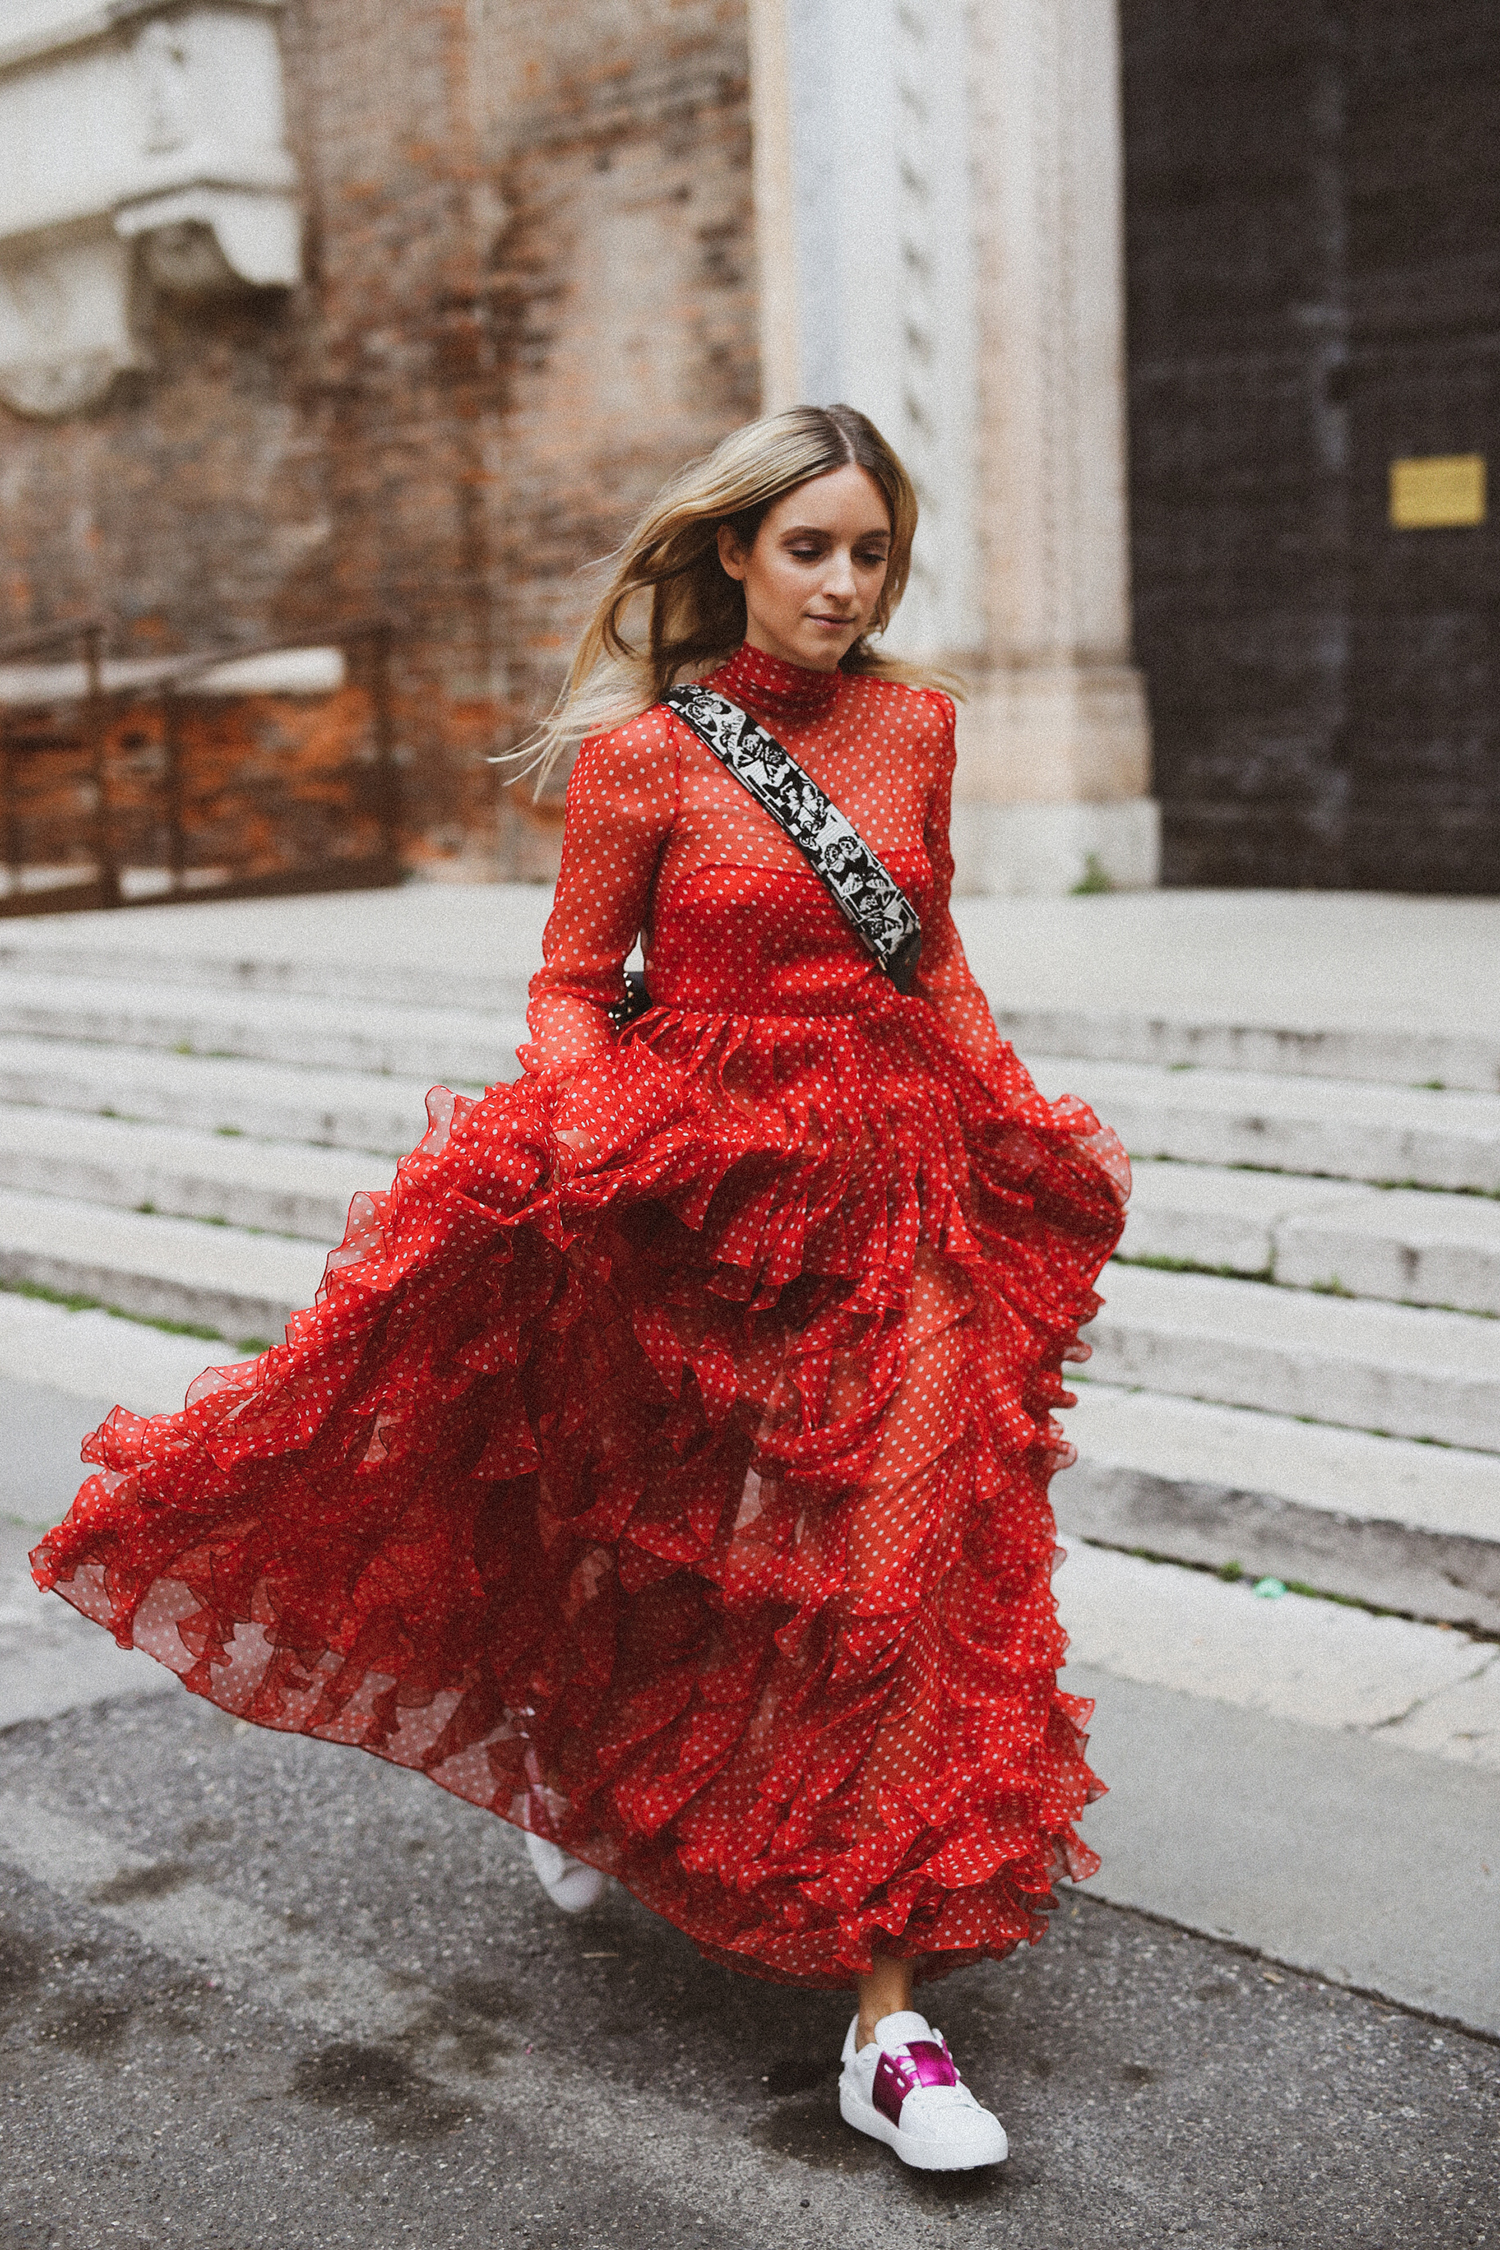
(885, 1992)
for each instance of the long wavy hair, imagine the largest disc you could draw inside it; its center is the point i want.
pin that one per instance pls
(696, 614)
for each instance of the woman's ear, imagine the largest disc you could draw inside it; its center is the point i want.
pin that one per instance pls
(731, 554)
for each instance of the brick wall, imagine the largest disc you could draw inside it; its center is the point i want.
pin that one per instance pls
(530, 295)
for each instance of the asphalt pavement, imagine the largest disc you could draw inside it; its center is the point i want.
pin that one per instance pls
(256, 1989)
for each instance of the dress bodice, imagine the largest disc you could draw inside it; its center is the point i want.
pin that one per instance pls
(663, 843)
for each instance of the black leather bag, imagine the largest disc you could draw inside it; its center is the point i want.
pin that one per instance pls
(864, 890)
(635, 1003)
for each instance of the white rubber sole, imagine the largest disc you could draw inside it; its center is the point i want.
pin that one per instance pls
(922, 2154)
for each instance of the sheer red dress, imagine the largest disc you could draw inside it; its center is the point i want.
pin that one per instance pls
(678, 1490)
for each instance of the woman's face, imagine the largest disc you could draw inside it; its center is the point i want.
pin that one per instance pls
(814, 575)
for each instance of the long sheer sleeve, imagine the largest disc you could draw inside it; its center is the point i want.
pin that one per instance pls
(620, 808)
(944, 977)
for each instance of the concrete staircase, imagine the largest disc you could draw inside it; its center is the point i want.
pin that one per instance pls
(1298, 1368)
(1299, 1364)
(1297, 1374)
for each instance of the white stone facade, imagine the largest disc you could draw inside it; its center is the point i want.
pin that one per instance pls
(133, 119)
(939, 204)
(867, 262)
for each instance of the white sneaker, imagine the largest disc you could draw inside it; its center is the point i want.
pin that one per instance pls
(904, 2089)
(570, 1883)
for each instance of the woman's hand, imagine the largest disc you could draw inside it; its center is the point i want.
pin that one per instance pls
(575, 1150)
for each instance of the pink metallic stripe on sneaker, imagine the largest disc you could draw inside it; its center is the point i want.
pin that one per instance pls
(923, 2063)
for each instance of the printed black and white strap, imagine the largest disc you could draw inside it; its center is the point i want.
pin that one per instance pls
(872, 901)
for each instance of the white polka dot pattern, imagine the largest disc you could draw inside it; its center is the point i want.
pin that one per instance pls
(664, 1463)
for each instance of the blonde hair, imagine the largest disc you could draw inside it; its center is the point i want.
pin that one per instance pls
(697, 611)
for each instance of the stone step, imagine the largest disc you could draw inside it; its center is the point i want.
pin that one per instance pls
(1301, 1843)
(216, 1094)
(1404, 1058)
(1394, 1368)
(1222, 1221)
(1400, 1369)
(1401, 1136)
(1401, 1525)
(1300, 984)
(98, 1357)
(1367, 1242)
(1357, 1132)
(1412, 1246)
(501, 990)
(422, 946)
(1306, 984)
(1405, 1244)
(1323, 1663)
(465, 1047)
(1381, 1520)
(1415, 1247)
(70, 1044)
(276, 1187)
(237, 1284)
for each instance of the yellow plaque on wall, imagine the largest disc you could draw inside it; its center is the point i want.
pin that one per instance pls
(1438, 491)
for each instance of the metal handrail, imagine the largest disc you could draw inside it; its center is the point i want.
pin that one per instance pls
(175, 676)
(380, 632)
(49, 636)
(176, 670)
(90, 631)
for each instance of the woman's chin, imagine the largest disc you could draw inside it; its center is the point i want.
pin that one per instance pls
(821, 650)
(802, 642)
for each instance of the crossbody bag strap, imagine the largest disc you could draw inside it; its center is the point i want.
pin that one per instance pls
(865, 891)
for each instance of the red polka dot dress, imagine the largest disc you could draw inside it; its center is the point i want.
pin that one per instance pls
(677, 1488)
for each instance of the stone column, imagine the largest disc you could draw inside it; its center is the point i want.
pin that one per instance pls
(1055, 741)
(775, 193)
(938, 198)
(866, 269)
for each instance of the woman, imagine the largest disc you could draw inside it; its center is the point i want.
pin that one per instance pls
(664, 1463)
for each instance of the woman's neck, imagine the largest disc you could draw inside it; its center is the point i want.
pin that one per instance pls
(782, 694)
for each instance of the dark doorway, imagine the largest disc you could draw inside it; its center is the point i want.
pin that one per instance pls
(1313, 261)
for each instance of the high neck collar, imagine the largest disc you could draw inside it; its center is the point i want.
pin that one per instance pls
(788, 695)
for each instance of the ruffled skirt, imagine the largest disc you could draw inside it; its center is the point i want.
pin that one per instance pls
(686, 1504)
